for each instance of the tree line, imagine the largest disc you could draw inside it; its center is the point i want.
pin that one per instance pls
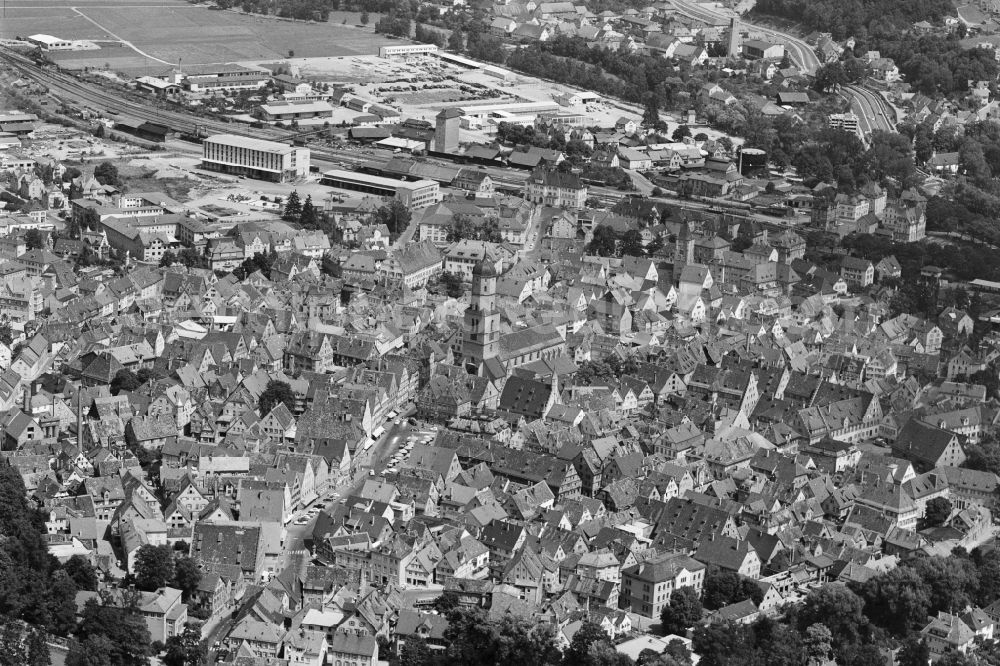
(857, 18)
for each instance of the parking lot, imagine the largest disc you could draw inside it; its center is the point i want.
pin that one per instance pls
(402, 455)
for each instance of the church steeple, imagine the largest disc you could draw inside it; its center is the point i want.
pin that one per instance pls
(481, 337)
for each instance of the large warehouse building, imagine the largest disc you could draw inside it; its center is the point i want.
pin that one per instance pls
(413, 193)
(254, 158)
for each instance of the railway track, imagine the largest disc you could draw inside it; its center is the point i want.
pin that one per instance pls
(74, 91)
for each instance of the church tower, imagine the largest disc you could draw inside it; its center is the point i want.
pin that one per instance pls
(481, 337)
(683, 250)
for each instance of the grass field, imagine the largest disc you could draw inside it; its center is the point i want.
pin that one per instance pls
(117, 59)
(169, 31)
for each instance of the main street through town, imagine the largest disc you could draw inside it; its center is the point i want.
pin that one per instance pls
(399, 432)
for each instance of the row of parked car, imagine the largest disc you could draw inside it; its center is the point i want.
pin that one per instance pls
(416, 437)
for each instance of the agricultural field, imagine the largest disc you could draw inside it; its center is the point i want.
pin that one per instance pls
(115, 58)
(22, 21)
(167, 32)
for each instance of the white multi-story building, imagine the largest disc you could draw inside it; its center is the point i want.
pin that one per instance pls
(255, 158)
(558, 189)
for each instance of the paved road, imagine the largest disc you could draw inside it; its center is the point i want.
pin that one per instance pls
(406, 237)
(873, 111)
(642, 184)
(375, 458)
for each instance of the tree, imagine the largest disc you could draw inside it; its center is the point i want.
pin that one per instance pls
(578, 652)
(602, 653)
(778, 644)
(61, 602)
(830, 77)
(651, 111)
(680, 133)
(604, 241)
(168, 259)
(914, 653)
(365, 18)
(12, 648)
(721, 644)
(819, 642)
(446, 602)
(106, 173)
(330, 266)
(148, 374)
(631, 244)
(38, 649)
(836, 607)
(988, 564)
(72, 228)
(722, 588)
(124, 380)
(276, 392)
(185, 649)
(154, 567)
(308, 217)
(475, 640)
(96, 650)
(82, 573)
(34, 239)
(937, 512)
(395, 216)
(956, 659)
(187, 575)
(683, 611)
(951, 581)
(27, 589)
(462, 227)
(452, 283)
(293, 207)
(415, 652)
(111, 633)
(191, 258)
(259, 262)
(456, 41)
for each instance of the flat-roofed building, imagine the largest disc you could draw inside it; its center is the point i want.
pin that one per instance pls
(255, 158)
(294, 110)
(528, 110)
(406, 51)
(50, 43)
(757, 49)
(413, 193)
(222, 77)
(845, 121)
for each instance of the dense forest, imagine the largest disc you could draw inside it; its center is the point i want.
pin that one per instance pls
(934, 64)
(857, 18)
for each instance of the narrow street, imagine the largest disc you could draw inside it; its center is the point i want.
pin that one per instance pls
(643, 184)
